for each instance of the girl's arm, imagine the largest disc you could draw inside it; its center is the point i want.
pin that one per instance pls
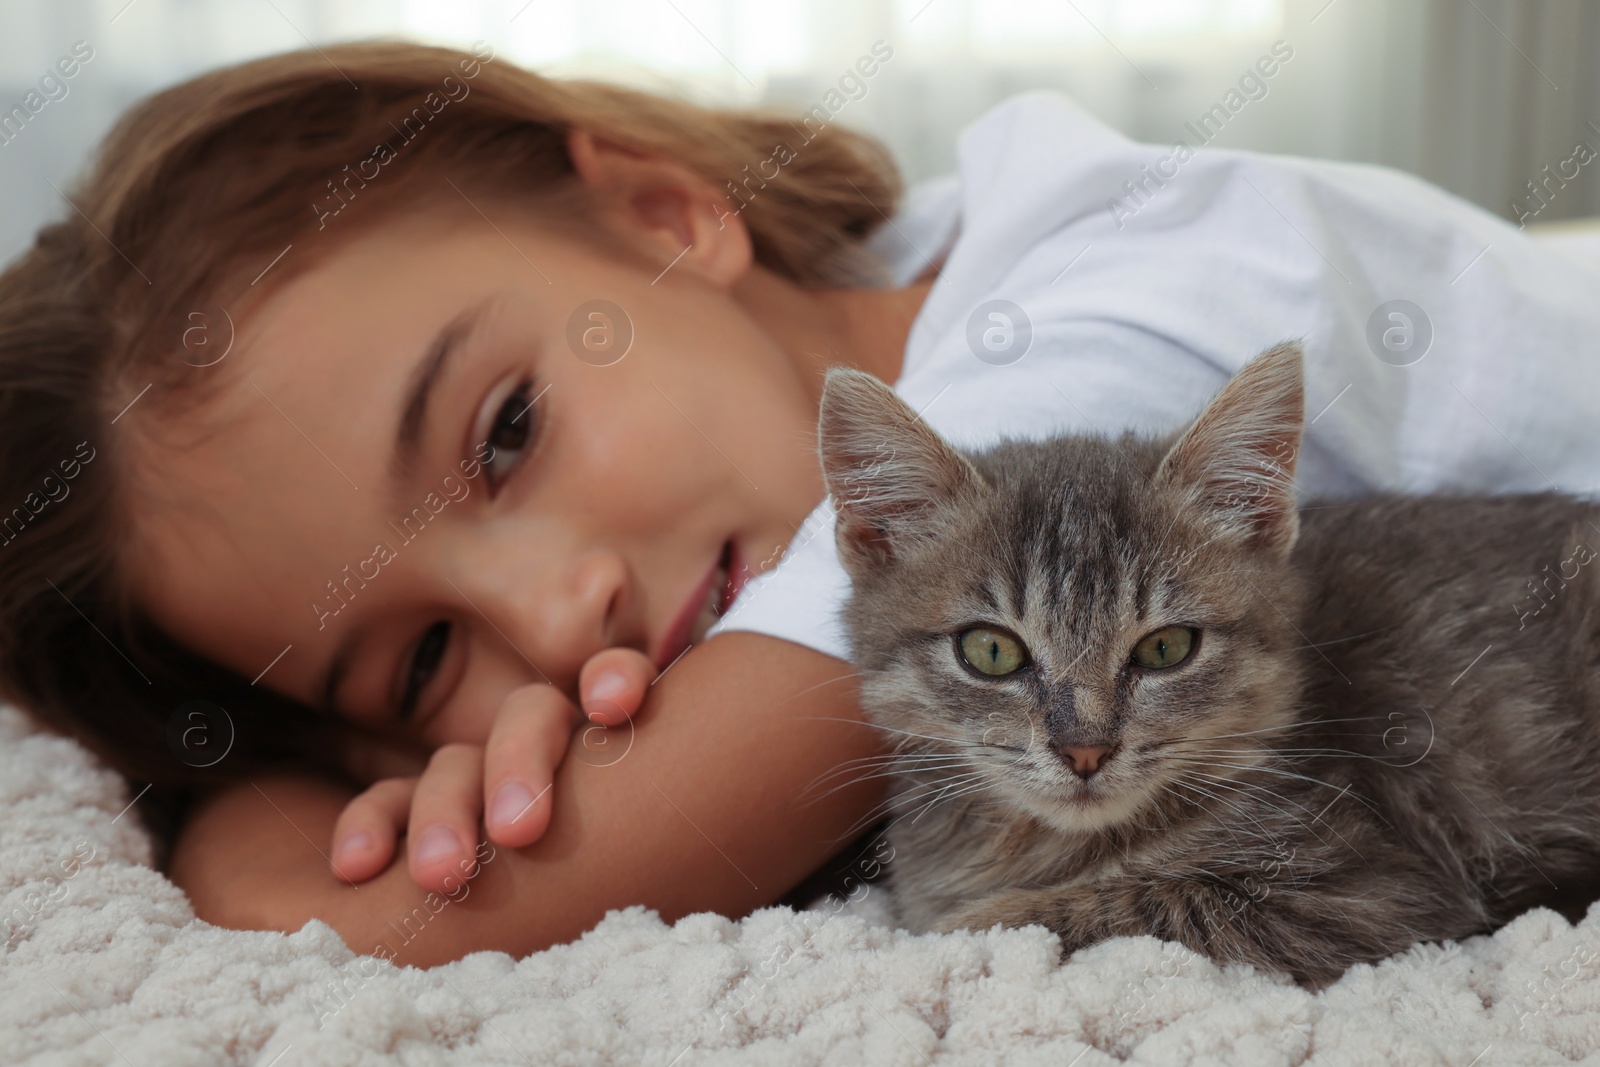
(705, 812)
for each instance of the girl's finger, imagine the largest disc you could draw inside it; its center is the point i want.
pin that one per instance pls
(526, 745)
(444, 817)
(364, 837)
(613, 684)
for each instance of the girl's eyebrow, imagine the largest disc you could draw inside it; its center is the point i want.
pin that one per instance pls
(419, 388)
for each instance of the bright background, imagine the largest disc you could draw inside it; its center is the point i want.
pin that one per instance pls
(1475, 95)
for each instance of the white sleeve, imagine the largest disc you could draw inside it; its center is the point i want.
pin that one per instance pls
(799, 599)
(924, 228)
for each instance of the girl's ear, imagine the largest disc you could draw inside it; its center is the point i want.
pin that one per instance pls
(674, 215)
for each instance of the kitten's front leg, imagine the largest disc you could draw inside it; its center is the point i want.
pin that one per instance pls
(1010, 908)
(1313, 928)
(1082, 914)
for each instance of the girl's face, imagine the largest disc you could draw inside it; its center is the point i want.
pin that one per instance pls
(421, 490)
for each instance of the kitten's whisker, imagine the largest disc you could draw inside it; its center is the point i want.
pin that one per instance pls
(882, 808)
(1314, 818)
(892, 758)
(922, 810)
(1264, 768)
(1251, 792)
(914, 794)
(1227, 737)
(971, 787)
(975, 787)
(1352, 637)
(819, 685)
(1158, 812)
(909, 733)
(1179, 787)
(887, 759)
(887, 804)
(1302, 753)
(1235, 806)
(1244, 786)
(863, 761)
(921, 788)
(1299, 724)
(889, 772)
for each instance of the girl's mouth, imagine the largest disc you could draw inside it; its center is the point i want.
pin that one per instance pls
(709, 601)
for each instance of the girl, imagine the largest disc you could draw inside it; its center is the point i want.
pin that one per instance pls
(427, 412)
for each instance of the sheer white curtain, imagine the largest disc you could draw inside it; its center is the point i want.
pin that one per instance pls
(1477, 95)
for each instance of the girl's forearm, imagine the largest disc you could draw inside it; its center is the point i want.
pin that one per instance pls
(708, 809)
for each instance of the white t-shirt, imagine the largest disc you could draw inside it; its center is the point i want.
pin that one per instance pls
(1147, 281)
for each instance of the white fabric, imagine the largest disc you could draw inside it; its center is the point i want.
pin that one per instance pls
(1579, 237)
(110, 966)
(1140, 312)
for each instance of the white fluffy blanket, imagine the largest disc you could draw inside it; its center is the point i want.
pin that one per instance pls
(105, 963)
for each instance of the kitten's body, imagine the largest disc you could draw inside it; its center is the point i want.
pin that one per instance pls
(1381, 746)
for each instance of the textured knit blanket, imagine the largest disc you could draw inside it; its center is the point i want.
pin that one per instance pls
(105, 963)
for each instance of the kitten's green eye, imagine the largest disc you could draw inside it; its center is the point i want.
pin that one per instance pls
(992, 652)
(1165, 648)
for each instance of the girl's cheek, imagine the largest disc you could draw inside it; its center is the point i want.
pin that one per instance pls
(455, 725)
(469, 716)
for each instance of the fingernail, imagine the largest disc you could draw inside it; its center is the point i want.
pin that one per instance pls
(607, 686)
(356, 842)
(510, 802)
(437, 844)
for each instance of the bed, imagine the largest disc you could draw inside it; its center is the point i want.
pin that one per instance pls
(105, 963)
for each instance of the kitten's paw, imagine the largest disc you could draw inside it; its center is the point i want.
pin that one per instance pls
(952, 922)
(985, 914)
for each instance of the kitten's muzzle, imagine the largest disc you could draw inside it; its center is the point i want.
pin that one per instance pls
(1078, 744)
(1084, 761)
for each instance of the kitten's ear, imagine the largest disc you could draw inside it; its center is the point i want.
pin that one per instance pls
(1238, 457)
(888, 473)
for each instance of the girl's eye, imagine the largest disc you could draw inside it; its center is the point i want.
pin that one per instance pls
(1166, 647)
(513, 431)
(422, 666)
(992, 652)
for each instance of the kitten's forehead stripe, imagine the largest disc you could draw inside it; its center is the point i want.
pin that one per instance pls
(1037, 575)
(1029, 554)
(1013, 582)
(990, 599)
(1043, 609)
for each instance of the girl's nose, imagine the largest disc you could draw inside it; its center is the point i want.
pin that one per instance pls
(560, 615)
(581, 613)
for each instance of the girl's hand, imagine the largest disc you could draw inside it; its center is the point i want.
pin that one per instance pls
(505, 781)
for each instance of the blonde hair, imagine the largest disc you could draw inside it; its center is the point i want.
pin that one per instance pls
(195, 190)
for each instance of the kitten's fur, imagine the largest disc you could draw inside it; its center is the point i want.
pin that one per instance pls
(1338, 771)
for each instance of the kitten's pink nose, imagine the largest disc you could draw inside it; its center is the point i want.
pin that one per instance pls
(1085, 760)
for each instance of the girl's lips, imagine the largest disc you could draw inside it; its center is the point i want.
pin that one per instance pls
(679, 634)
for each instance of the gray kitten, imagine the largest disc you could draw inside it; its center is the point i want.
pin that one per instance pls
(1134, 690)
